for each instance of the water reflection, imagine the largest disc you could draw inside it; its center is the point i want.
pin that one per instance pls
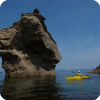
(37, 88)
(78, 81)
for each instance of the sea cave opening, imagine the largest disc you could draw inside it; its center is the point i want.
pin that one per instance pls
(1, 69)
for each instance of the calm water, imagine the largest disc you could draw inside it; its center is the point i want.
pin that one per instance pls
(51, 88)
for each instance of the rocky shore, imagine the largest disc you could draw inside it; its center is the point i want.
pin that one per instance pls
(96, 70)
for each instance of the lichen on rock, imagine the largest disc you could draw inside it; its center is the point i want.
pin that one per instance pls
(27, 48)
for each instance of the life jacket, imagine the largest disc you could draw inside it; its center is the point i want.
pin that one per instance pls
(79, 74)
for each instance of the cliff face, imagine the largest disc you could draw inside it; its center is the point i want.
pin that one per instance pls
(27, 48)
(96, 70)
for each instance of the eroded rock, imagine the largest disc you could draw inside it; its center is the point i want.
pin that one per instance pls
(27, 48)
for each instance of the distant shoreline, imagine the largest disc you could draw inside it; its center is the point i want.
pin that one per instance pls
(1, 72)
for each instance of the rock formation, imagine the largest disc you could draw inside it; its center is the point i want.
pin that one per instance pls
(96, 70)
(27, 48)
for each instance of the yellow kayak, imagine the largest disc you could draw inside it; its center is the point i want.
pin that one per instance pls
(76, 77)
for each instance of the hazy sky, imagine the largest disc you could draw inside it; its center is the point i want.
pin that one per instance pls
(74, 25)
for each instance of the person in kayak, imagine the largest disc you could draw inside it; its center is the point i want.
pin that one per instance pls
(79, 74)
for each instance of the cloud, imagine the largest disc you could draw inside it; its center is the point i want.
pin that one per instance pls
(89, 39)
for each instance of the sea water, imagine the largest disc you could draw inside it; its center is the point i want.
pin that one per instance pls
(51, 88)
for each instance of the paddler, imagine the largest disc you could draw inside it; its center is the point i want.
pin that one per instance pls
(79, 73)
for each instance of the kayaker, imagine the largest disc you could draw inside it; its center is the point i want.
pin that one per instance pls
(79, 73)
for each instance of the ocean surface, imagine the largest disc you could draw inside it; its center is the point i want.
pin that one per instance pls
(51, 88)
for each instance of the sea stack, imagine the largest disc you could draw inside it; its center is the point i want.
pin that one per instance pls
(27, 48)
(96, 70)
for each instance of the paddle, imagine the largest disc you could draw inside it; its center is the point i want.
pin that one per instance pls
(72, 71)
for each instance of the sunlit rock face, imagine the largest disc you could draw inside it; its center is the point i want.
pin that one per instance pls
(96, 70)
(27, 48)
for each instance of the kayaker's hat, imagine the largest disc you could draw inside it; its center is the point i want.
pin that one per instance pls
(78, 71)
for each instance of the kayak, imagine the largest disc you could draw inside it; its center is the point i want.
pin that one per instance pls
(76, 77)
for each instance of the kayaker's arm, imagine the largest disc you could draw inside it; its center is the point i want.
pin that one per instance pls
(81, 74)
(76, 74)
(72, 71)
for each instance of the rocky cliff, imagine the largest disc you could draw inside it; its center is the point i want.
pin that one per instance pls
(96, 70)
(27, 48)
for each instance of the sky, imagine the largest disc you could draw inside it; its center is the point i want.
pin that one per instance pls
(74, 25)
